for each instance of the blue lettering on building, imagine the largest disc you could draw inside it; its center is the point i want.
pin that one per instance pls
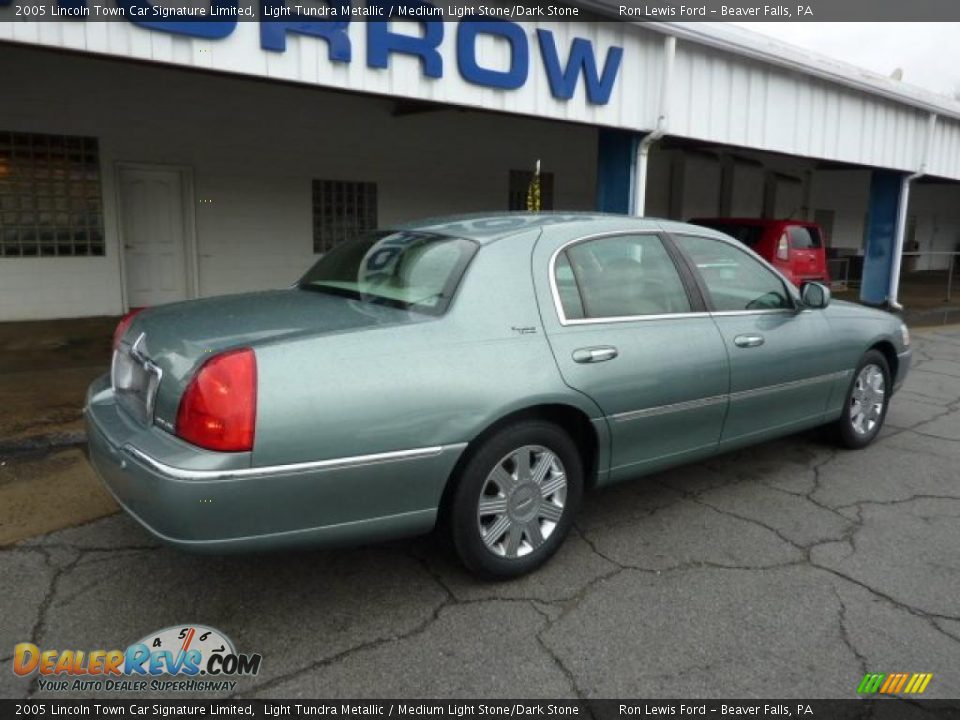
(515, 76)
(273, 33)
(563, 70)
(563, 81)
(382, 42)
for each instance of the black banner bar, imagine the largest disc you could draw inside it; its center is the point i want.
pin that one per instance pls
(180, 11)
(878, 709)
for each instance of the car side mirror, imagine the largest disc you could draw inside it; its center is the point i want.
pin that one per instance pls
(815, 295)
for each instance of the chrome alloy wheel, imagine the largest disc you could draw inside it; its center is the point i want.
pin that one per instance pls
(867, 399)
(522, 501)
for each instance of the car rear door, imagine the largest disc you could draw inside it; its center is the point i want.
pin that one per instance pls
(780, 369)
(807, 256)
(628, 328)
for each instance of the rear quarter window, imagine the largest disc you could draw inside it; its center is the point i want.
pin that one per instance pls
(804, 238)
(405, 269)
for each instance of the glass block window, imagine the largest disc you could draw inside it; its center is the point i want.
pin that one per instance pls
(50, 196)
(520, 183)
(342, 211)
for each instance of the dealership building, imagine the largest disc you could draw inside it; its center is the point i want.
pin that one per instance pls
(144, 163)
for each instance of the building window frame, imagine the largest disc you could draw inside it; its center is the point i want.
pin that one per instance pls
(51, 196)
(342, 210)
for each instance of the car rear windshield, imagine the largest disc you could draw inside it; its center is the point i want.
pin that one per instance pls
(404, 269)
(804, 238)
(749, 235)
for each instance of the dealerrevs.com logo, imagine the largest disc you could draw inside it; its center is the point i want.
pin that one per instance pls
(182, 658)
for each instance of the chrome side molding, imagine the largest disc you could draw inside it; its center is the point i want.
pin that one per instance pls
(732, 397)
(671, 408)
(269, 470)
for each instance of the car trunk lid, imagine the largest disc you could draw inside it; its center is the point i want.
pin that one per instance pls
(165, 345)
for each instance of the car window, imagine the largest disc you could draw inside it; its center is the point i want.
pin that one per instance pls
(749, 235)
(734, 279)
(409, 270)
(802, 238)
(567, 288)
(619, 276)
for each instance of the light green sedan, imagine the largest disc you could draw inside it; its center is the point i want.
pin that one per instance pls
(474, 373)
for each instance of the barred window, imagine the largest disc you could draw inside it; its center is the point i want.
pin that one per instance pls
(342, 211)
(519, 184)
(50, 196)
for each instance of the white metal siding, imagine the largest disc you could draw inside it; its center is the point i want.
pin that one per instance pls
(716, 96)
(733, 100)
(305, 60)
(944, 158)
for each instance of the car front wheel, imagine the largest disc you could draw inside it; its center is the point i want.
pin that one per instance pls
(866, 403)
(516, 499)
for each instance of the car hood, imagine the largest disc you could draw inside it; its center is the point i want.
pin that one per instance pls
(180, 336)
(845, 308)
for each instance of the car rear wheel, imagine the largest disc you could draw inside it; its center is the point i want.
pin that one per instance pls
(516, 499)
(866, 403)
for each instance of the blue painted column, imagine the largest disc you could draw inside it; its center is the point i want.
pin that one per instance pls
(616, 168)
(881, 232)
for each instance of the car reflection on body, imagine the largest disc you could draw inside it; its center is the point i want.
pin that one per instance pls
(478, 373)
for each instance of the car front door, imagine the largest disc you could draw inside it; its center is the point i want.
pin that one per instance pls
(628, 328)
(780, 371)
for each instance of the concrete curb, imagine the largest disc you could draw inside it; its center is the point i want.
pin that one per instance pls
(42, 443)
(927, 329)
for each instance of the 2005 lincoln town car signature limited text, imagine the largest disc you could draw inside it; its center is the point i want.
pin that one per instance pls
(477, 373)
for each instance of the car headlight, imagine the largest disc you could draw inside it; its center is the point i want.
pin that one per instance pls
(905, 335)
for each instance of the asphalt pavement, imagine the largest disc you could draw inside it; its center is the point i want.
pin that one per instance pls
(787, 570)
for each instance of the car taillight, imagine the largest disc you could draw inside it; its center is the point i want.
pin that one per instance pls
(218, 411)
(783, 248)
(123, 325)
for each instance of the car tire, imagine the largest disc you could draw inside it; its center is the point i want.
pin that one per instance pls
(515, 499)
(866, 402)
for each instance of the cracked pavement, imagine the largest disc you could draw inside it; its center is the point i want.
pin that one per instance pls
(786, 570)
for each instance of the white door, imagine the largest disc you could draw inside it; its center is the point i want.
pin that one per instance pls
(154, 238)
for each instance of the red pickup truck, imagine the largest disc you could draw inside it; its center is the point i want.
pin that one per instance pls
(794, 247)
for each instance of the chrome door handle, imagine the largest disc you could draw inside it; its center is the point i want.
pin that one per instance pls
(595, 354)
(748, 341)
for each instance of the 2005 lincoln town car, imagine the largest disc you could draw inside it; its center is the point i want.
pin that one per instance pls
(475, 372)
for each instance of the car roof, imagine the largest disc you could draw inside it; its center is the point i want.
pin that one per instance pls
(489, 227)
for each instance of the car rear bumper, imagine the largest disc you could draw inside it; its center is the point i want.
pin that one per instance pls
(210, 502)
